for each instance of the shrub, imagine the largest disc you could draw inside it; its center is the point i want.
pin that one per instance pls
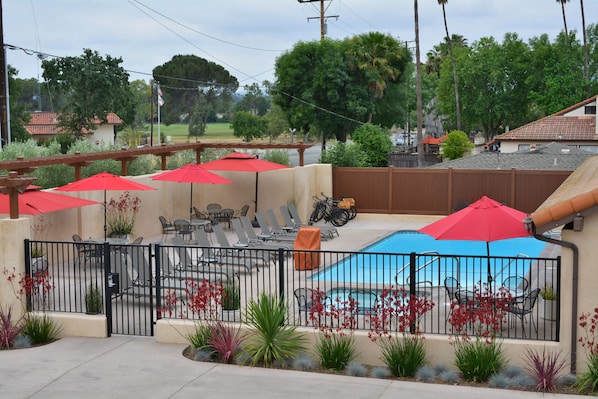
(381, 372)
(9, 328)
(478, 360)
(499, 381)
(201, 337)
(449, 377)
(336, 351)
(225, 341)
(425, 374)
(304, 363)
(356, 370)
(21, 341)
(272, 338)
(544, 368)
(40, 329)
(588, 382)
(403, 356)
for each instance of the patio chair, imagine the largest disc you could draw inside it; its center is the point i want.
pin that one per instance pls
(365, 301)
(89, 252)
(325, 233)
(139, 268)
(451, 285)
(183, 228)
(526, 307)
(213, 207)
(224, 216)
(277, 228)
(304, 298)
(516, 283)
(329, 230)
(241, 212)
(197, 214)
(167, 227)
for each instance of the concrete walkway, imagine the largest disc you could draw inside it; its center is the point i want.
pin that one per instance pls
(138, 367)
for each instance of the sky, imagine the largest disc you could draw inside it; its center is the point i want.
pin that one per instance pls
(246, 37)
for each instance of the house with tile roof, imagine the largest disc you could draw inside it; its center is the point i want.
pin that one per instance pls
(574, 126)
(44, 126)
(551, 156)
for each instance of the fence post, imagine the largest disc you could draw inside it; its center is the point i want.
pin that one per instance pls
(107, 289)
(412, 287)
(28, 270)
(281, 272)
(157, 254)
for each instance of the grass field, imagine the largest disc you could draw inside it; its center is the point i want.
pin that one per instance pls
(214, 132)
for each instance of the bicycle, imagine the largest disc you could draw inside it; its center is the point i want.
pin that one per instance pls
(347, 203)
(324, 208)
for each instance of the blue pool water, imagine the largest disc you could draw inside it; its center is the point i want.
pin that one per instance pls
(387, 261)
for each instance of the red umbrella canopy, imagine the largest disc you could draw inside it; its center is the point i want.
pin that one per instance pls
(104, 181)
(242, 162)
(192, 173)
(34, 202)
(484, 220)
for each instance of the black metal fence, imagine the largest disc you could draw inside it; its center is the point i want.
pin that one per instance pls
(142, 283)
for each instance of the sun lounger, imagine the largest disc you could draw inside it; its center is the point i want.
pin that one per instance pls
(268, 234)
(330, 230)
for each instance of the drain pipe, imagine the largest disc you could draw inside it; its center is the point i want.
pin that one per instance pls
(531, 227)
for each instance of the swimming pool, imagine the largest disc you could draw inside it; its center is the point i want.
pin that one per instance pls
(387, 261)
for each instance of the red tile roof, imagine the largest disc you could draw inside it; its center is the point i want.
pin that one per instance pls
(46, 123)
(558, 127)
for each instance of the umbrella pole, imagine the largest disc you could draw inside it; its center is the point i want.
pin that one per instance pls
(490, 279)
(256, 183)
(105, 218)
(191, 204)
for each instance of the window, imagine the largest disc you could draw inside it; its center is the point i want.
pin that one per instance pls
(523, 147)
(590, 148)
(590, 110)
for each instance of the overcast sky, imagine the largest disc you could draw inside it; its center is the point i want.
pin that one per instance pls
(245, 36)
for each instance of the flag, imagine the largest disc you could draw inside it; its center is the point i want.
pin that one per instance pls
(160, 99)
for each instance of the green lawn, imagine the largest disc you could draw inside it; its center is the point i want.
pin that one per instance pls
(214, 131)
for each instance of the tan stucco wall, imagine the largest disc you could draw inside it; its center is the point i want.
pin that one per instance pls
(12, 255)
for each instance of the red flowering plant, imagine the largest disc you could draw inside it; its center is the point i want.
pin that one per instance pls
(335, 319)
(35, 287)
(121, 213)
(588, 381)
(203, 301)
(481, 313)
(398, 311)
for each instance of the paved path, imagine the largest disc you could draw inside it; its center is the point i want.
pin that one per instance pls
(138, 367)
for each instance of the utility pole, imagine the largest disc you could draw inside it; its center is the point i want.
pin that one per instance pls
(322, 18)
(4, 115)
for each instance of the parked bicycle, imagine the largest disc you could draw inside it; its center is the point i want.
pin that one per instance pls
(328, 208)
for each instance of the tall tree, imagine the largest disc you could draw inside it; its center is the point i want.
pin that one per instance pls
(586, 67)
(93, 87)
(562, 2)
(192, 83)
(450, 46)
(418, 90)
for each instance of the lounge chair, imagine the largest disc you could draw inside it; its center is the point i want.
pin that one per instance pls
(267, 234)
(330, 230)
(325, 233)
(257, 243)
(238, 256)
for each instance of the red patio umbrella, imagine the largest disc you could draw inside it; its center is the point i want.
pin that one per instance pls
(35, 202)
(192, 173)
(484, 220)
(242, 162)
(103, 182)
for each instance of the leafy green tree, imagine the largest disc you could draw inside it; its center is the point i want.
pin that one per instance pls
(142, 93)
(93, 86)
(277, 122)
(454, 67)
(374, 142)
(456, 145)
(344, 155)
(254, 101)
(188, 81)
(248, 126)
(197, 126)
(19, 113)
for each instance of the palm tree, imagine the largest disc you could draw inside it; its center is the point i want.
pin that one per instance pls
(564, 18)
(585, 44)
(418, 89)
(455, 80)
(380, 57)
